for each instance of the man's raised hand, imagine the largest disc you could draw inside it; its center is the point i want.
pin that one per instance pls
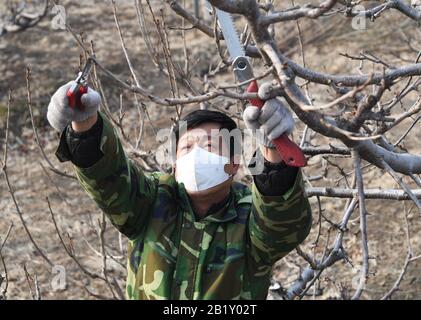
(60, 114)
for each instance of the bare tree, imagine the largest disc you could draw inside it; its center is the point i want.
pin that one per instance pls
(4, 278)
(360, 129)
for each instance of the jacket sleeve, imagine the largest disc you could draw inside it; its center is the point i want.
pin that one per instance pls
(121, 189)
(279, 223)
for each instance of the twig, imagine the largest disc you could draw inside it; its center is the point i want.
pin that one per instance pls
(69, 251)
(103, 225)
(389, 194)
(145, 35)
(29, 102)
(298, 12)
(11, 191)
(123, 46)
(363, 226)
(6, 237)
(403, 185)
(32, 284)
(408, 260)
(5, 279)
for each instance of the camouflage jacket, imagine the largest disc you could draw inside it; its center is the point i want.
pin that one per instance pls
(226, 255)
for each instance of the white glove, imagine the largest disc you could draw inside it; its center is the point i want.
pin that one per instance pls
(60, 114)
(271, 121)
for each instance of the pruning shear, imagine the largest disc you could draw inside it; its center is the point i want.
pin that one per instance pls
(291, 153)
(80, 86)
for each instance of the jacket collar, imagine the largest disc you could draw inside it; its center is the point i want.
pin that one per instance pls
(225, 213)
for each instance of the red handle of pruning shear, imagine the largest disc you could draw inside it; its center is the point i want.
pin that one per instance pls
(74, 95)
(287, 149)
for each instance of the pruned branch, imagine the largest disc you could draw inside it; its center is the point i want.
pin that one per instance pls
(387, 194)
(307, 11)
(17, 19)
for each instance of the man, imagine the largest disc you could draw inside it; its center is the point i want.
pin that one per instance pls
(196, 234)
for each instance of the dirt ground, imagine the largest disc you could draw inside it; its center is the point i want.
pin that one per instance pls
(53, 57)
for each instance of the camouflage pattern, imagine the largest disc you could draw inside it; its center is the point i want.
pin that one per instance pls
(226, 255)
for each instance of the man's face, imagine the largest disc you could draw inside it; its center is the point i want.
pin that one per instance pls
(208, 137)
(205, 136)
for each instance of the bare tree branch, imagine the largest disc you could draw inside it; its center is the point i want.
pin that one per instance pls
(18, 20)
(363, 226)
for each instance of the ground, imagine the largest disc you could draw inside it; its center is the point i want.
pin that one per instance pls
(53, 57)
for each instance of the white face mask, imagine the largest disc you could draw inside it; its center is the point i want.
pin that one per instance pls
(201, 170)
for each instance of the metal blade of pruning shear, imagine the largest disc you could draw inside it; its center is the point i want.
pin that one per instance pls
(231, 36)
(84, 75)
(240, 63)
(80, 86)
